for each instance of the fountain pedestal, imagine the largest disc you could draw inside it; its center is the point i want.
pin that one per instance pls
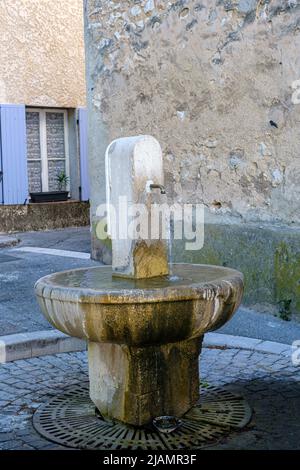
(136, 384)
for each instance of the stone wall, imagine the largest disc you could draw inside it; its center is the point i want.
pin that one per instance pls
(267, 255)
(42, 53)
(215, 81)
(50, 216)
(212, 81)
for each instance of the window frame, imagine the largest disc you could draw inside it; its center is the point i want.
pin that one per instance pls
(43, 145)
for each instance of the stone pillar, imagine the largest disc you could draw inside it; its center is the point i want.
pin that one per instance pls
(136, 384)
(139, 246)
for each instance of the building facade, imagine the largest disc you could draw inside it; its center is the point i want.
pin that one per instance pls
(42, 99)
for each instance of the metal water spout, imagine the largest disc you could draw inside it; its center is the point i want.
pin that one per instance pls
(158, 186)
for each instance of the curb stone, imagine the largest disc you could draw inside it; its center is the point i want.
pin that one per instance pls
(218, 340)
(38, 343)
(48, 342)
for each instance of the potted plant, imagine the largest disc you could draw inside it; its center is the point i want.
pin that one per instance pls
(54, 196)
(62, 180)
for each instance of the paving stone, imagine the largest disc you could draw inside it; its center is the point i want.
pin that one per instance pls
(11, 445)
(28, 447)
(4, 396)
(6, 436)
(269, 382)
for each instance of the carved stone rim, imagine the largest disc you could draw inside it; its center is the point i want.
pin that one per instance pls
(230, 280)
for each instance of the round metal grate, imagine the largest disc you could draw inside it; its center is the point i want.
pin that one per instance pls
(70, 419)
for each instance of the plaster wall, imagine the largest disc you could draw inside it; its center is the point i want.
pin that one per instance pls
(215, 82)
(42, 53)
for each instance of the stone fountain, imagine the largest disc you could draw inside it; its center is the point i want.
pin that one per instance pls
(144, 326)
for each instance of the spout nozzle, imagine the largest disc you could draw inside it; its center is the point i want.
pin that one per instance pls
(158, 186)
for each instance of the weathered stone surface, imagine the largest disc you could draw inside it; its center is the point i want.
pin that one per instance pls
(150, 259)
(132, 164)
(135, 385)
(31, 217)
(267, 255)
(211, 81)
(90, 304)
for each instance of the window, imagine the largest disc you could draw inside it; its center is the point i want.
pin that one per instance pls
(47, 148)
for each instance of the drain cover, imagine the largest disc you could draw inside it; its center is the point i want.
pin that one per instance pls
(70, 419)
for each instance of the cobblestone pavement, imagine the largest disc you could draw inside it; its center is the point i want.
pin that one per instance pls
(269, 382)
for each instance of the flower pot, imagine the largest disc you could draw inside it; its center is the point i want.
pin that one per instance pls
(49, 196)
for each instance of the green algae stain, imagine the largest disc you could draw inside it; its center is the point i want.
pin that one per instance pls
(287, 278)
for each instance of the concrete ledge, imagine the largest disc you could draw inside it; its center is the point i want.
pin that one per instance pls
(42, 343)
(38, 343)
(218, 340)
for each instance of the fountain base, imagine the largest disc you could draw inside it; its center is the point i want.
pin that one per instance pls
(136, 384)
(70, 419)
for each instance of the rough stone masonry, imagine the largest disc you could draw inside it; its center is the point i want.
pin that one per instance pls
(215, 82)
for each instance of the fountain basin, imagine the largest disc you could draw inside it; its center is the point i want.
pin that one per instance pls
(144, 336)
(90, 304)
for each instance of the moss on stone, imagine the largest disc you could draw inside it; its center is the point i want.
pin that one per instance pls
(269, 258)
(287, 276)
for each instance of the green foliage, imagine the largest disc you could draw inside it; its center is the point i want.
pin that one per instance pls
(204, 384)
(62, 180)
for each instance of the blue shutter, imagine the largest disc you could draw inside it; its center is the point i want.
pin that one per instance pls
(83, 144)
(13, 154)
